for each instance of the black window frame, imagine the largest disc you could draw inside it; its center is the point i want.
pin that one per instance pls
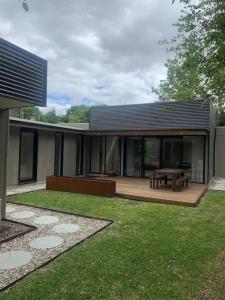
(80, 155)
(62, 154)
(35, 156)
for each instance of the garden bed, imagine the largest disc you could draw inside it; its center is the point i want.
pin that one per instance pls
(83, 185)
(10, 229)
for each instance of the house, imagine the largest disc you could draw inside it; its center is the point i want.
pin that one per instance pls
(125, 140)
(23, 82)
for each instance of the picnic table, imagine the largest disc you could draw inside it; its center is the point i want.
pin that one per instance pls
(172, 173)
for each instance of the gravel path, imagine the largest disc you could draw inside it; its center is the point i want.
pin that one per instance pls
(43, 244)
(10, 230)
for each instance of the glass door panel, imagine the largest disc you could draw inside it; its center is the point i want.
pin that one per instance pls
(151, 155)
(172, 152)
(193, 157)
(97, 155)
(28, 156)
(112, 157)
(133, 158)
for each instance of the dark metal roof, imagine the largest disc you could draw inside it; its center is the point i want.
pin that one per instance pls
(23, 77)
(151, 116)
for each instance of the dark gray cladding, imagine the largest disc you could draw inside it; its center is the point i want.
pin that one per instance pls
(23, 77)
(151, 116)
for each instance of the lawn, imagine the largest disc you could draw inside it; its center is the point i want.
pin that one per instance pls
(151, 251)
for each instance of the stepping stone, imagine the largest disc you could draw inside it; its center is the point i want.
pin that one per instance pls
(46, 242)
(45, 220)
(66, 228)
(10, 209)
(14, 259)
(23, 214)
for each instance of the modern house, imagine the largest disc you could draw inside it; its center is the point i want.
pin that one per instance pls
(23, 82)
(126, 140)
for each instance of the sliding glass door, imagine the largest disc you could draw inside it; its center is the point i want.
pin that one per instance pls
(133, 156)
(97, 155)
(28, 156)
(145, 154)
(172, 152)
(193, 157)
(105, 155)
(112, 155)
(151, 155)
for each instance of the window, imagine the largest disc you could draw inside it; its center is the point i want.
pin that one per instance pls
(112, 157)
(59, 144)
(28, 155)
(193, 157)
(133, 156)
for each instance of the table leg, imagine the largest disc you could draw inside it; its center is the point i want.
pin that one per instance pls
(174, 183)
(166, 180)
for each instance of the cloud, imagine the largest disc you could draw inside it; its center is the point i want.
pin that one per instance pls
(98, 52)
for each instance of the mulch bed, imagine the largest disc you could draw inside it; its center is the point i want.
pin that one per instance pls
(11, 229)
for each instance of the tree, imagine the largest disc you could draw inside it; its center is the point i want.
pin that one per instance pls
(31, 113)
(77, 114)
(197, 69)
(50, 117)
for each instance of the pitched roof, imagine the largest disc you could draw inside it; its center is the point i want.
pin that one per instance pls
(151, 116)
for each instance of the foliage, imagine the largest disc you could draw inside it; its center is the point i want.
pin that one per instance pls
(221, 119)
(78, 114)
(31, 113)
(197, 68)
(75, 114)
(50, 117)
(151, 251)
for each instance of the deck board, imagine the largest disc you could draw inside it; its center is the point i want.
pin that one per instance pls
(139, 189)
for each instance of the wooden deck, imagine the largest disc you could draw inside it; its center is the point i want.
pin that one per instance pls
(138, 189)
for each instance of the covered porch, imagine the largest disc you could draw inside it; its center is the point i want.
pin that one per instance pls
(139, 189)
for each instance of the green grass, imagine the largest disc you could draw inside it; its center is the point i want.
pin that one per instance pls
(151, 251)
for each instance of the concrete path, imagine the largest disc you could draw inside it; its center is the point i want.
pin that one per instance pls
(217, 184)
(25, 188)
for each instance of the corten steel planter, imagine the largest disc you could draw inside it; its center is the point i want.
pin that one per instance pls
(85, 185)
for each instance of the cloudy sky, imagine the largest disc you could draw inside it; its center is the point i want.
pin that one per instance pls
(98, 51)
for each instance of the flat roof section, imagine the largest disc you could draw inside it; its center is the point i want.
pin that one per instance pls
(174, 115)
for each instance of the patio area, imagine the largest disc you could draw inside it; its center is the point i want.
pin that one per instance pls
(25, 188)
(139, 189)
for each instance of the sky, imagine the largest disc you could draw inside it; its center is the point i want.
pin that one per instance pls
(98, 51)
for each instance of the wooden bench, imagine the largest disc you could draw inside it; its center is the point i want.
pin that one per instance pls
(181, 181)
(155, 179)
